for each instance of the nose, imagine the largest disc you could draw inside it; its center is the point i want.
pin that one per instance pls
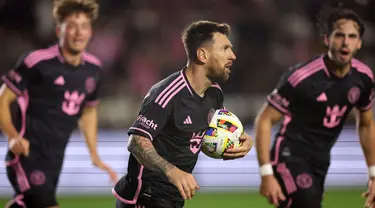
(345, 41)
(78, 31)
(232, 56)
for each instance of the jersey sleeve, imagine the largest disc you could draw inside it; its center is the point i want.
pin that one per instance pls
(151, 118)
(19, 78)
(93, 97)
(366, 98)
(283, 95)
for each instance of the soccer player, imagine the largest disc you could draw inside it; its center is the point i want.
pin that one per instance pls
(315, 98)
(165, 139)
(55, 88)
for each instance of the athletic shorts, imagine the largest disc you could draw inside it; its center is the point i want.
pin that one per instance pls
(302, 183)
(139, 194)
(33, 181)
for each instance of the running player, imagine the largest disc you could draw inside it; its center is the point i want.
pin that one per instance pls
(315, 98)
(54, 87)
(165, 139)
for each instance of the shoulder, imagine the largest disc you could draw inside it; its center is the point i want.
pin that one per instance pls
(364, 70)
(91, 59)
(167, 90)
(301, 71)
(31, 58)
(216, 90)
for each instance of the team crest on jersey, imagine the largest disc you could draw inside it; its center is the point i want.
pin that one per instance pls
(210, 115)
(90, 85)
(353, 95)
(37, 177)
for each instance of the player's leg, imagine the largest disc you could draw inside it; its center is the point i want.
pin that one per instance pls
(17, 180)
(321, 176)
(33, 181)
(153, 203)
(298, 182)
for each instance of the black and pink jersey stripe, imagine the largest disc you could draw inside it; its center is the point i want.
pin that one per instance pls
(174, 118)
(316, 103)
(51, 95)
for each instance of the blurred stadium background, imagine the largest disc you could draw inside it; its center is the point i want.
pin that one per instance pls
(139, 43)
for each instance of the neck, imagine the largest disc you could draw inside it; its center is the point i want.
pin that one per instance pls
(197, 78)
(337, 70)
(73, 59)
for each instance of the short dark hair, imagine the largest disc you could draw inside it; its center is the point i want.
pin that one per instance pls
(198, 33)
(330, 14)
(63, 8)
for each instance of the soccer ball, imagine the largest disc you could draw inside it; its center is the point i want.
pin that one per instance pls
(223, 133)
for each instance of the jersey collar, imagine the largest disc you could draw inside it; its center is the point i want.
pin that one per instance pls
(329, 73)
(61, 57)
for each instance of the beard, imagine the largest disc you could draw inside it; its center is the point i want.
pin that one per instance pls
(217, 73)
(343, 60)
(73, 51)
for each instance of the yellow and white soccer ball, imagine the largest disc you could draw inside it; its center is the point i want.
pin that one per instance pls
(223, 133)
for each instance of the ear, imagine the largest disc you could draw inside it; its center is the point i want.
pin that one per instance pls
(359, 45)
(202, 55)
(326, 40)
(58, 31)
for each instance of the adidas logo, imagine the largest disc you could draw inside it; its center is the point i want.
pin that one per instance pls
(322, 97)
(60, 81)
(188, 120)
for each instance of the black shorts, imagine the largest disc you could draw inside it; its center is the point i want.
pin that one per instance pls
(140, 194)
(302, 183)
(34, 181)
(161, 203)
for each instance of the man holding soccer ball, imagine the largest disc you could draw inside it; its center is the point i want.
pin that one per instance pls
(166, 137)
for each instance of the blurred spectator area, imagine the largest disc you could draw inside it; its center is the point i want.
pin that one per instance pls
(139, 43)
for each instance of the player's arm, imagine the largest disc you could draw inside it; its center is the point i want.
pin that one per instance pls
(366, 125)
(15, 83)
(366, 130)
(143, 150)
(7, 97)
(264, 121)
(88, 122)
(272, 112)
(152, 118)
(278, 104)
(88, 125)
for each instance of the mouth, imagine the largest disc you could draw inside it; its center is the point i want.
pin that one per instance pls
(78, 41)
(344, 52)
(228, 66)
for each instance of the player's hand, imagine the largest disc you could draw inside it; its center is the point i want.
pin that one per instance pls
(96, 161)
(19, 146)
(246, 144)
(370, 194)
(185, 182)
(271, 189)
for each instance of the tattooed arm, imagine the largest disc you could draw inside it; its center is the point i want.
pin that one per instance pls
(144, 151)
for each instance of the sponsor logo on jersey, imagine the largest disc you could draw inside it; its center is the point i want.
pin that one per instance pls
(147, 123)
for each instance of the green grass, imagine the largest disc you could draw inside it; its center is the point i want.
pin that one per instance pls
(332, 199)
